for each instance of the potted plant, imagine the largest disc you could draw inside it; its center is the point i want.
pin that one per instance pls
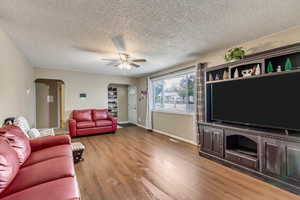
(235, 54)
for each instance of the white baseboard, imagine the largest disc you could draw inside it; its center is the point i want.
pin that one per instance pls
(140, 125)
(175, 137)
(124, 122)
(170, 135)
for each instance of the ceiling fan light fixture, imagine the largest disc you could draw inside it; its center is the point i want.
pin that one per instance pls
(123, 56)
(125, 66)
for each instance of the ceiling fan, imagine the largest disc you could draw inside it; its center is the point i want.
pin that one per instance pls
(125, 62)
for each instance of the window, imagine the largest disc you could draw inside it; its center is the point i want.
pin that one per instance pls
(175, 93)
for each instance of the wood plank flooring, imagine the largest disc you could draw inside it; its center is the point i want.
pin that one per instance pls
(135, 164)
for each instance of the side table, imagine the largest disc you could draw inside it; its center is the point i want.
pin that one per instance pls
(77, 149)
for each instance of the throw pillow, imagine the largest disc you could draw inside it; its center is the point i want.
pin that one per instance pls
(47, 132)
(33, 133)
(22, 123)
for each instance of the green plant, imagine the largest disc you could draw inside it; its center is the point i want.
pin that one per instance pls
(235, 54)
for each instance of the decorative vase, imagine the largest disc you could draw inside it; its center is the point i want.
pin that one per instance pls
(257, 70)
(236, 74)
(225, 75)
(278, 68)
(270, 68)
(210, 78)
(288, 65)
(217, 77)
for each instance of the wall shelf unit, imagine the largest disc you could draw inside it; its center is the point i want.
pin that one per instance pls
(113, 101)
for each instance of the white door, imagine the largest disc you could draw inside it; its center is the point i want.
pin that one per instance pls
(132, 104)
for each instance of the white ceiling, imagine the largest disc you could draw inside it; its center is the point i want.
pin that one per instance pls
(57, 33)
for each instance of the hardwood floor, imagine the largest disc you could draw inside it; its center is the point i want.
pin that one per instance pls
(139, 165)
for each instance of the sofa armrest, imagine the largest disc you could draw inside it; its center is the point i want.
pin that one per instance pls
(113, 119)
(114, 122)
(49, 141)
(72, 127)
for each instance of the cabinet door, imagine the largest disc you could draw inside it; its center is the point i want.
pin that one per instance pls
(206, 140)
(293, 162)
(273, 155)
(217, 146)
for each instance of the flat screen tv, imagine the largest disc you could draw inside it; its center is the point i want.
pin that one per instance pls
(268, 101)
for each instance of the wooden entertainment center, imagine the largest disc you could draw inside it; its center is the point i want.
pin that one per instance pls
(269, 154)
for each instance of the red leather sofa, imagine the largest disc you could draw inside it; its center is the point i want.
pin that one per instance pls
(39, 169)
(86, 122)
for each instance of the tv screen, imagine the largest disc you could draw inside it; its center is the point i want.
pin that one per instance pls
(269, 101)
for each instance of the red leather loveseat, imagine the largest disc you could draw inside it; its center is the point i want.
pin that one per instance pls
(86, 122)
(39, 169)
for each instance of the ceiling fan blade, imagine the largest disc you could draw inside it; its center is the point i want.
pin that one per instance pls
(139, 60)
(109, 60)
(119, 43)
(113, 63)
(94, 50)
(133, 64)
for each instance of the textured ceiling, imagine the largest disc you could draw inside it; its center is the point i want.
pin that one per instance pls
(66, 34)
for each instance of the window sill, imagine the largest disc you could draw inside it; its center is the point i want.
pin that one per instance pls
(173, 112)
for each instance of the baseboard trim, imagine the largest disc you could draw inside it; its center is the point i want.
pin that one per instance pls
(175, 137)
(140, 125)
(123, 122)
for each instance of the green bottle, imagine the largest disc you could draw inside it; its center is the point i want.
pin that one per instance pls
(288, 65)
(270, 68)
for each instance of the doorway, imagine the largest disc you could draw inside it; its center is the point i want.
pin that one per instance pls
(132, 104)
(118, 102)
(49, 103)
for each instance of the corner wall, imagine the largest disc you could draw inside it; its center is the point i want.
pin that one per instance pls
(16, 82)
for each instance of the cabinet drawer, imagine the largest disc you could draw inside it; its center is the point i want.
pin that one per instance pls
(251, 163)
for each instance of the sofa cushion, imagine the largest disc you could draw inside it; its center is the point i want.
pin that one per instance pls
(100, 114)
(87, 124)
(48, 153)
(41, 172)
(18, 141)
(82, 115)
(89, 131)
(101, 123)
(9, 164)
(60, 189)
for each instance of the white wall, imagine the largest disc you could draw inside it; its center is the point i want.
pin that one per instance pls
(94, 85)
(165, 122)
(16, 82)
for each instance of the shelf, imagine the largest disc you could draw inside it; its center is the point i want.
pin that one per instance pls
(113, 101)
(257, 76)
(242, 153)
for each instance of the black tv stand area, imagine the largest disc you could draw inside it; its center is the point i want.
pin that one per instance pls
(272, 155)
